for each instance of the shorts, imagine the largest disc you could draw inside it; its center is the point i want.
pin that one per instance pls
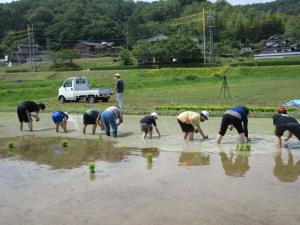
(146, 127)
(87, 119)
(294, 128)
(185, 127)
(231, 120)
(58, 117)
(23, 114)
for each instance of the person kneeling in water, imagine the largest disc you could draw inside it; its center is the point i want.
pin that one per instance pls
(283, 122)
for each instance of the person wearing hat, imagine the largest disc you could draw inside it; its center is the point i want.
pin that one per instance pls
(147, 124)
(235, 117)
(119, 90)
(60, 119)
(190, 123)
(283, 122)
(92, 117)
(28, 109)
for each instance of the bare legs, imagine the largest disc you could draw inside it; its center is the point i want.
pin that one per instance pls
(93, 129)
(241, 136)
(63, 126)
(21, 126)
(84, 128)
(188, 136)
(219, 138)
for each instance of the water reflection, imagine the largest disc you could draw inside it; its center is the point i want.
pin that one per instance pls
(92, 176)
(48, 151)
(236, 164)
(286, 172)
(153, 151)
(194, 159)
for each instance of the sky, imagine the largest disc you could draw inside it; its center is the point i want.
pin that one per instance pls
(234, 2)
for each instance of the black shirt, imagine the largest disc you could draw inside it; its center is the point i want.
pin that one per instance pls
(30, 106)
(279, 119)
(93, 113)
(148, 120)
(120, 86)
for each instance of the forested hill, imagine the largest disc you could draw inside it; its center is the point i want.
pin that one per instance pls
(289, 7)
(61, 23)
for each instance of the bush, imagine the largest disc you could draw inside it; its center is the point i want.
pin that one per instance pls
(69, 66)
(190, 77)
(16, 71)
(126, 57)
(220, 108)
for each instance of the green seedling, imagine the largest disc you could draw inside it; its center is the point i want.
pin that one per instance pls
(243, 147)
(247, 147)
(10, 145)
(92, 166)
(149, 157)
(64, 143)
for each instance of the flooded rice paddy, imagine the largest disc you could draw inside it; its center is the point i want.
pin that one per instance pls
(187, 183)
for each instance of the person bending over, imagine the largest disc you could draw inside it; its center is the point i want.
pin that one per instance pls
(60, 119)
(92, 117)
(190, 123)
(147, 124)
(235, 117)
(28, 109)
(112, 117)
(283, 122)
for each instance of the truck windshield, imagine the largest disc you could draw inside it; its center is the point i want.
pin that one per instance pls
(68, 83)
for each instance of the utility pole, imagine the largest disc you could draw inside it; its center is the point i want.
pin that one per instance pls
(33, 47)
(211, 32)
(127, 37)
(29, 45)
(204, 37)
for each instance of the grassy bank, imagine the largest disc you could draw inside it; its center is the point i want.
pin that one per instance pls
(146, 89)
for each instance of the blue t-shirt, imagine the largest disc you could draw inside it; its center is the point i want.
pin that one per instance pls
(58, 116)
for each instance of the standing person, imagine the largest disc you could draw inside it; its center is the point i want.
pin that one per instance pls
(110, 117)
(283, 122)
(92, 117)
(190, 123)
(238, 118)
(147, 124)
(28, 109)
(119, 89)
(60, 119)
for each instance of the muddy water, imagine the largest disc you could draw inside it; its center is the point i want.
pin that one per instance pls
(187, 183)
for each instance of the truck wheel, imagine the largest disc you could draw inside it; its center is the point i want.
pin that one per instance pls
(91, 99)
(61, 99)
(105, 99)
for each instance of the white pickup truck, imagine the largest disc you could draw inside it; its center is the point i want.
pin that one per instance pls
(77, 88)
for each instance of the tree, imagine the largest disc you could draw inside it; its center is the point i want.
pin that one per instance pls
(292, 29)
(126, 57)
(62, 56)
(182, 48)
